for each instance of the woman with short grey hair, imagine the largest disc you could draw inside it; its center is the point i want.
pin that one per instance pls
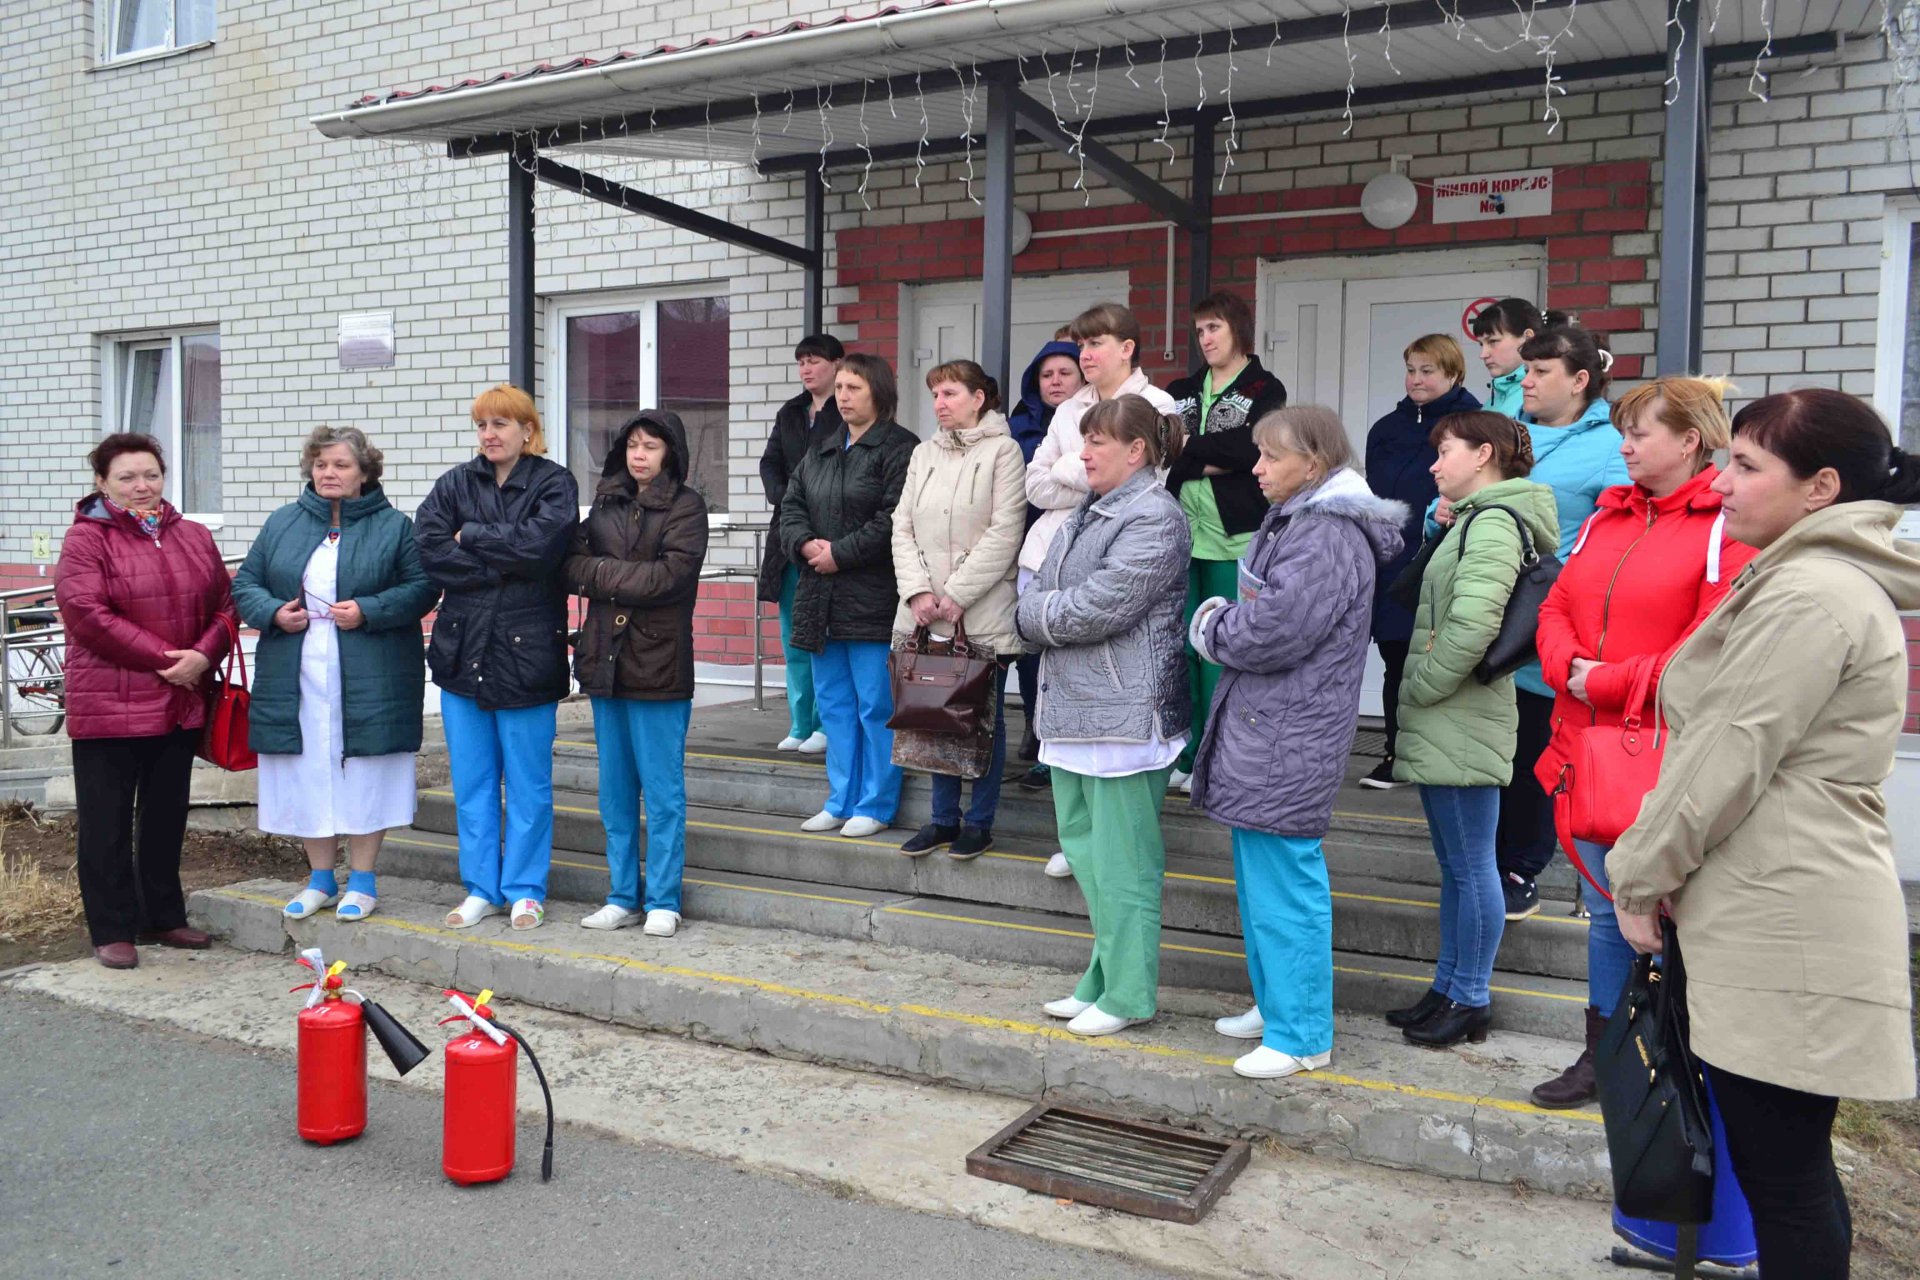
(1104, 611)
(1292, 647)
(335, 587)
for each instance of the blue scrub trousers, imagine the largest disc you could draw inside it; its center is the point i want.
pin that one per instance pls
(1286, 922)
(1609, 955)
(855, 698)
(643, 755)
(483, 749)
(803, 720)
(1473, 911)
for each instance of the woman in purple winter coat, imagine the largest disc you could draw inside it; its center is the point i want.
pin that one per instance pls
(1293, 647)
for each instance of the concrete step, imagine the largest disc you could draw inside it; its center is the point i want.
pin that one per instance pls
(1368, 842)
(1373, 917)
(908, 908)
(973, 1023)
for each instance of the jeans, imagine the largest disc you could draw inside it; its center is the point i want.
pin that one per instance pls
(1110, 832)
(1609, 957)
(1205, 579)
(1393, 653)
(1526, 838)
(1781, 1144)
(1473, 912)
(1286, 921)
(485, 748)
(129, 823)
(643, 756)
(986, 788)
(856, 701)
(803, 718)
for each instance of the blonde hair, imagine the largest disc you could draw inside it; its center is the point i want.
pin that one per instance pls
(1688, 404)
(509, 401)
(1309, 429)
(1443, 351)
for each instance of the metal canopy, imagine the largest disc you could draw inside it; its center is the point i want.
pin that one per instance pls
(890, 80)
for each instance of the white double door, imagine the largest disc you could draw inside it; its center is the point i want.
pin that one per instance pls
(946, 326)
(1333, 329)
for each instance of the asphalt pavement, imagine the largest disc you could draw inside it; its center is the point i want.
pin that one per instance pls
(130, 1149)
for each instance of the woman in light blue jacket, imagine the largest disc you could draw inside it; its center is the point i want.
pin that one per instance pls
(1576, 453)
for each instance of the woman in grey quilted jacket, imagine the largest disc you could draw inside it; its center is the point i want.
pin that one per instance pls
(1104, 611)
(1292, 647)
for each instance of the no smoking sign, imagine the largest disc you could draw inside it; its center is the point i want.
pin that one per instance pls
(1472, 313)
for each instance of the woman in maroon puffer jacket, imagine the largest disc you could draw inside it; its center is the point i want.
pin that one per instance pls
(147, 605)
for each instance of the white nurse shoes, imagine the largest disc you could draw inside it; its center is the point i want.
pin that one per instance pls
(471, 912)
(611, 916)
(1271, 1064)
(1247, 1026)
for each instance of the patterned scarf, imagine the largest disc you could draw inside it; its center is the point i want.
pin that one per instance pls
(149, 520)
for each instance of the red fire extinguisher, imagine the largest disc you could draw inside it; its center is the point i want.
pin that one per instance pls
(481, 1088)
(332, 1061)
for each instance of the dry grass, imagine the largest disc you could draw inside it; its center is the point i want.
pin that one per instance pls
(36, 902)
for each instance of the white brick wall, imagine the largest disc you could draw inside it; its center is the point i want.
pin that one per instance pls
(191, 189)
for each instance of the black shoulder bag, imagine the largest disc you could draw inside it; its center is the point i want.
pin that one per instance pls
(1513, 647)
(1653, 1098)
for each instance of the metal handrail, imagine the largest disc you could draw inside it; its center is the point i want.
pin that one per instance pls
(53, 633)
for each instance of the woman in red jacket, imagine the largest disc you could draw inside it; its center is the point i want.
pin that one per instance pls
(1650, 564)
(147, 605)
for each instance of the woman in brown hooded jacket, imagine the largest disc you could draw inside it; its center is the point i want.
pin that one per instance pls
(636, 561)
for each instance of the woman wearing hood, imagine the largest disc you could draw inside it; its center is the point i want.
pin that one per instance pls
(1214, 480)
(1766, 836)
(636, 561)
(1292, 647)
(147, 607)
(1456, 731)
(956, 534)
(335, 588)
(1576, 453)
(1400, 461)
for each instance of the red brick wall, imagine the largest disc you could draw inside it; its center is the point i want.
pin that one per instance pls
(1592, 203)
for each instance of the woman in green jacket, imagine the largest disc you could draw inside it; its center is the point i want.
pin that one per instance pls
(335, 588)
(1456, 733)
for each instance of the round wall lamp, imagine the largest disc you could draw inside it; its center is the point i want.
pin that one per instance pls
(1388, 201)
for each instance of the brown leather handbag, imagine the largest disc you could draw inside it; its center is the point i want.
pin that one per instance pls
(941, 686)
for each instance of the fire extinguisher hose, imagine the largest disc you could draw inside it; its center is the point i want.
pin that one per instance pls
(546, 1155)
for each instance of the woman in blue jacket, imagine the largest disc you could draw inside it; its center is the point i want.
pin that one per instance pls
(1576, 453)
(334, 586)
(1503, 329)
(1400, 458)
(493, 533)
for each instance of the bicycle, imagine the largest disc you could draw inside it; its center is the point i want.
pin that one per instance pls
(36, 669)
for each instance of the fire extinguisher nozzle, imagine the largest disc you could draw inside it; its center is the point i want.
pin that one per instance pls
(402, 1047)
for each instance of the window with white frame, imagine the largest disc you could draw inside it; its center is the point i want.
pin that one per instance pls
(131, 28)
(1897, 362)
(168, 386)
(614, 354)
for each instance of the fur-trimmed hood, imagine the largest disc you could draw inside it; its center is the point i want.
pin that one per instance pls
(1344, 495)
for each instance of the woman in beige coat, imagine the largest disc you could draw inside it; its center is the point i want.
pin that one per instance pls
(956, 537)
(1767, 834)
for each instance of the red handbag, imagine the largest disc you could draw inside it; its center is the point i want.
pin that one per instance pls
(225, 741)
(1613, 768)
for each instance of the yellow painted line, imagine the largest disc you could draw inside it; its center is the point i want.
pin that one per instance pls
(1029, 928)
(1106, 1044)
(830, 838)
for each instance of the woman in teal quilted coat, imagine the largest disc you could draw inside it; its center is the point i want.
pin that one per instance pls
(335, 588)
(1457, 733)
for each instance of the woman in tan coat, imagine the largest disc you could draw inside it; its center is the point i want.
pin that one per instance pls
(1767, 834)
(956, 538)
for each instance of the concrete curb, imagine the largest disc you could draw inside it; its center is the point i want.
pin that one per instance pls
(1458, 1133)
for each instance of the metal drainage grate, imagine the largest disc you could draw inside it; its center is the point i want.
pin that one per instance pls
(1146, 1169)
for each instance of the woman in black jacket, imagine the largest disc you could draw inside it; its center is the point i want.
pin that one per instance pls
(1400, 459)
(492, 534)
(836, 526)
(1213, 478)
(636, 561)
